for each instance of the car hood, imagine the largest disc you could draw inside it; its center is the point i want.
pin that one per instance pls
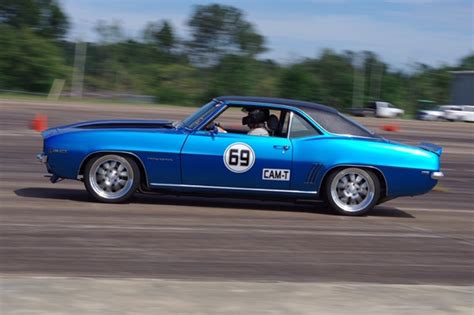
(118, 124)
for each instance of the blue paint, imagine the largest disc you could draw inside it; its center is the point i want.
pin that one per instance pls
(183, 158)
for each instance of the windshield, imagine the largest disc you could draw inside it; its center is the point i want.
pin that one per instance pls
(339, 124)
(195, 119)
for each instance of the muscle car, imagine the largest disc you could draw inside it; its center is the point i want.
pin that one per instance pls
(303, 151)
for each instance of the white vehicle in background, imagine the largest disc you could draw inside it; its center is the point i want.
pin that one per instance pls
(378, 109)
(461, 113)
(437, 113)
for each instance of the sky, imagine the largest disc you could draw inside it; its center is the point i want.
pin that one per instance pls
(401, 32)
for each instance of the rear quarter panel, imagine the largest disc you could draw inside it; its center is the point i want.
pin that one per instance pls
(406, 169)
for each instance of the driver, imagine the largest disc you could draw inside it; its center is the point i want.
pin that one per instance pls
(255, 120)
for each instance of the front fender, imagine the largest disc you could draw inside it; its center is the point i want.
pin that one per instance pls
(159, 152)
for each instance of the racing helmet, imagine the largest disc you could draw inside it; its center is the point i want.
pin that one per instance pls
(255, 116)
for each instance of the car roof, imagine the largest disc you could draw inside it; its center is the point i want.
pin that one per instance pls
(278, 101)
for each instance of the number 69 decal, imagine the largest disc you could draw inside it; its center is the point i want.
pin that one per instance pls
(239, 157)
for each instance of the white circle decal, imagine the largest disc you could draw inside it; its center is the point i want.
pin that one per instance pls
(239, 157)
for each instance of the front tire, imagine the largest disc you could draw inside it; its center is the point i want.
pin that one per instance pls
(111, 178)
(352, 191)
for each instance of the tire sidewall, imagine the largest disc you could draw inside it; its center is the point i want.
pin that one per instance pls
(329, 199)
(136, 178)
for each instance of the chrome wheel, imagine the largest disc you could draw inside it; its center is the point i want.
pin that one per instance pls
(352, 189)
(111, 177)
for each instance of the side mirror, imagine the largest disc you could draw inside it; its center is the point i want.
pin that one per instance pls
(213, 130)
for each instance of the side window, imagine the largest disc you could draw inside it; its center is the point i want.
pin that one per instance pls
(301, 128)
(235, 119)
(230, 120)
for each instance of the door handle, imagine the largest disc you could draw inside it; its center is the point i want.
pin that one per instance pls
(281, 147)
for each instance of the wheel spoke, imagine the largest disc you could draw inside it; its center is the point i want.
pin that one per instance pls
(352, 177)
(111, 177)
(353, 189)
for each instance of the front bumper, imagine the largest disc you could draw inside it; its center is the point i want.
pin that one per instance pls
(43, 158)
(437, 175)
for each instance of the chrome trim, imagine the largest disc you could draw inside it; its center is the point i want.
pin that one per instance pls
(437, 175)
(109, 172)
(213, 116)
(357, 165)
(290, 122)
(235, 188)
(352, 195)
(80, 176)
(43, 158)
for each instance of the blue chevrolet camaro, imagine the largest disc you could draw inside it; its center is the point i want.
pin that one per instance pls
(243, 146)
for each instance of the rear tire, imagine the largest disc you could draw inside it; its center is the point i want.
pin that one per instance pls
(111, 178)
(352, 191)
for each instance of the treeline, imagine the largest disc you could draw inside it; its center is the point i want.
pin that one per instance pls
(219, 57)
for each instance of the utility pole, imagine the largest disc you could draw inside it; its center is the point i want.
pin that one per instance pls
(78, 71)
(359, 78)
(376, 74)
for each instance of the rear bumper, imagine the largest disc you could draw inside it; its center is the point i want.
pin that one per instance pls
(437, 175)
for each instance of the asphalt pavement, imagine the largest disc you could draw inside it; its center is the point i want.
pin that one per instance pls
(55, 232)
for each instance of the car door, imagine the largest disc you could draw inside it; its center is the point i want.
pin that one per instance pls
(236, 161)
(308, 154)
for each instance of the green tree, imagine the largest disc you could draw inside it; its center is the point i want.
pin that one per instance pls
(175, 84)
(430, 84)
(218, 30)
(467, 63)
(161, 34)
(43, 17)
(28, 61)
(299, 83)
(335, 72)
(233, 75)
(109, 32)
(396, 89)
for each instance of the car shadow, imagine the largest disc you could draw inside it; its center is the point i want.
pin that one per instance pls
(80, 195)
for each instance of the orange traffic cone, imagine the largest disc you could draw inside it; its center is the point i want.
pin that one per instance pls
(39, 123)
(390, 127)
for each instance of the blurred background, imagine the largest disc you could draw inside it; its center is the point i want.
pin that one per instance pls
(340, 53)
(63, 61)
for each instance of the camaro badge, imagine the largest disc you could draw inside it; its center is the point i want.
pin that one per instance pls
(239, 157)
(275, 174)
